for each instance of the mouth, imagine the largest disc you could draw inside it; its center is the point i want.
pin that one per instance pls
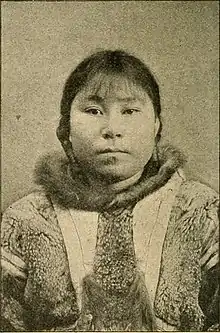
(111, 150)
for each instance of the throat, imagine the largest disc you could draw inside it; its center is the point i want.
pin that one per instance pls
(111, 187)
(123, 184)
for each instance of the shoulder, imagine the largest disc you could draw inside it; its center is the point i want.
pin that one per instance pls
(33, 212)
(35, 202)
(193, 194)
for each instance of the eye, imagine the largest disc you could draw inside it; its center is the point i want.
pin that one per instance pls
(130, 111)
(93, 111)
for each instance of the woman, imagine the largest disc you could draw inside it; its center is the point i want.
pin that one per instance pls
(115, 238)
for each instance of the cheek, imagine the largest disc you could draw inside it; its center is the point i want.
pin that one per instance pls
(78, 125)
(143, 148)
(85, 123)
(80, 137)
(142, 144)
(82, 128)
(142, 136)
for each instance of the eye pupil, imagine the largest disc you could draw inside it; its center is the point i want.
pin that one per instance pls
(129, 111)
(93, 111)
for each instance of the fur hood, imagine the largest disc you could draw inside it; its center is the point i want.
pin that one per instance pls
(70, 189)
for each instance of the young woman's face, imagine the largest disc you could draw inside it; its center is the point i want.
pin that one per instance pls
(113, 129)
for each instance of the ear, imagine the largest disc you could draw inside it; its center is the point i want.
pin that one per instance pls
(156, 126)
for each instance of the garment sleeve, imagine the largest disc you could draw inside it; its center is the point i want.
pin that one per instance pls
(13, 275)
(209, 293)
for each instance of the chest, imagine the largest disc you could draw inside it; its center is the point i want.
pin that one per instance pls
(150, 219)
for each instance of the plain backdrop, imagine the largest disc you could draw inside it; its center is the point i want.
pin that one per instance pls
(43, 41)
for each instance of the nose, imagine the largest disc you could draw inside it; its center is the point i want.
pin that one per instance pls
(108, 133)
(112, 128)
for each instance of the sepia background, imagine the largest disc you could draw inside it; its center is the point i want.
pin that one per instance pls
(43, 41)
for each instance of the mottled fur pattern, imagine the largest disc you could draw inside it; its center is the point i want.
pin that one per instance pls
(127, 312)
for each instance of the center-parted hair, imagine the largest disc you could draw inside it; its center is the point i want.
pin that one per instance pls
(109, 63)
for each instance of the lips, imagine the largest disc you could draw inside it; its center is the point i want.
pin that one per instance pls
(111, 150)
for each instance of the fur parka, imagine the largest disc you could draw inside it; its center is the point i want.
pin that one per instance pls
(38, 292)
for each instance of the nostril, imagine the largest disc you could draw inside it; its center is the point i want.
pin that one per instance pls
(111, 135)
(107, 135)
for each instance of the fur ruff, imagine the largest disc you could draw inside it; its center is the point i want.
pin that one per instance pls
(71, 190)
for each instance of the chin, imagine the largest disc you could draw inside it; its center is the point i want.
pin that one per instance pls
(113, 174)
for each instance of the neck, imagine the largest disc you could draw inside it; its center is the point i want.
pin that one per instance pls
(115, 186)
(123, 184)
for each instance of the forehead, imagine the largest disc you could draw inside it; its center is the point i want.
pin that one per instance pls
(105, 86)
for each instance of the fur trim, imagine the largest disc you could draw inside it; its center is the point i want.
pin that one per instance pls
(52, 172)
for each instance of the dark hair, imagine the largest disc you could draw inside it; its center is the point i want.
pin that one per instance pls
(107, 62)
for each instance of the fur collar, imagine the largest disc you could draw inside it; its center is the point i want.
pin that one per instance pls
(71, 190)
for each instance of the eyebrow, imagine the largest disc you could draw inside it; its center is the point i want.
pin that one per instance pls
(99, 99)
